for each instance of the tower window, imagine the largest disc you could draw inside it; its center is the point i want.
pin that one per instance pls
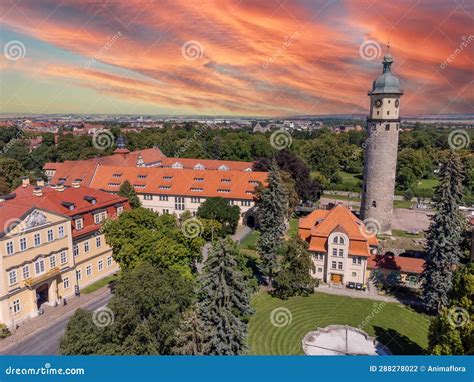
(378, 112)
(388, 112)
(388, 101)
(374, 204)
(387, 127)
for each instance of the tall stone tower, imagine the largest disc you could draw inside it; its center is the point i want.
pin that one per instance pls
(380, 156)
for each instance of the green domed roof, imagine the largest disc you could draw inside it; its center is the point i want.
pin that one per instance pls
(386, 83)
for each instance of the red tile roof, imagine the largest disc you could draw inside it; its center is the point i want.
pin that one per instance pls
(319, 224)
(170, 181)
(403, 264)
(53, 201)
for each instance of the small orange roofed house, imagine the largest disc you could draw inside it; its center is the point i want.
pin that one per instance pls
(52, 245)
(340, 246)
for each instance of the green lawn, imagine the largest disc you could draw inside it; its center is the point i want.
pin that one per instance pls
(98, 284)
(293, 230)
(401, 329)
(250, 241)
(426, 184)
(401, 233)
(348, 178)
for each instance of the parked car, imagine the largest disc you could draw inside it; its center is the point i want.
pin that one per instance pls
(351, 285)
(360, 286)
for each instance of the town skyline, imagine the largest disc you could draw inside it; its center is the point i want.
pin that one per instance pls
(232, 59)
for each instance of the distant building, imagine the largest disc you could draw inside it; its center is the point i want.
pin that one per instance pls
(261, 127)
(339, 244)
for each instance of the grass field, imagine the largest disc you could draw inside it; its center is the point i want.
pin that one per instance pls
(426, 184)
(401, 329)
(400, 233)
(250, 241)
(98, 284)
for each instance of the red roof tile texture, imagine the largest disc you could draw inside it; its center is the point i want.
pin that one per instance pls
(319, 224)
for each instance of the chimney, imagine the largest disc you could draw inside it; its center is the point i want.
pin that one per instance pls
(60, 187)
(38, 191)
(39, 182)
(76, 183)
(25, 181)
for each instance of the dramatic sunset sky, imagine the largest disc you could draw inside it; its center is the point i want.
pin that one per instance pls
(230, 57)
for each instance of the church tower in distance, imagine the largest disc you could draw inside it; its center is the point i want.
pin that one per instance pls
(380, 156)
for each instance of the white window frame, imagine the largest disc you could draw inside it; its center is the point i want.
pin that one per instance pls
(100, 265)
(23, 244)
(63, 257)
(89, 270)
(37, 239)
(16, 306)
(98, 241)
(66, 283)
(87, 247)
(12, 277)
(10, 248)
(42, 267)
(26, 271)
(52, 261)
(50, 235)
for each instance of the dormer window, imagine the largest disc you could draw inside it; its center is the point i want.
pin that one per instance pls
(196, 189)
(177, 165)
(225, 180)
(142, 176)
(90, 199)
(167, 177)
(254, 182)
(223, 190)
(199, 166)
(165, 187)
(223, 168)
(79, 223)
(199, 179)
(69, 205)
(117, 175)
(248, 169)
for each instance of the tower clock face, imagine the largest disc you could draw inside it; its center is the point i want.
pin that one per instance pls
(397, 103)
(378, 103)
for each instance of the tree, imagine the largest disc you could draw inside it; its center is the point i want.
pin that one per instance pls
(10, 173)
(219, 209)
(81, 336)
(452, 332)
(223, 302)
(142, 235)
(294, 278)
(143, 316)
(444, 236)
(272, 215)
(126, 190)
(190, 335)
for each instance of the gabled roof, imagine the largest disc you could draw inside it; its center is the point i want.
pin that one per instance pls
(319, 224)
(403, 264)
(181, 182)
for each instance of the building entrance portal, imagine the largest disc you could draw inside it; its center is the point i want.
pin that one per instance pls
(42, 295)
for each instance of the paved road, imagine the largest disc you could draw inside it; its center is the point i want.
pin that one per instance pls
(46, 341)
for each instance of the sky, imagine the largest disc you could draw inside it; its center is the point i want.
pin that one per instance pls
(229, 57)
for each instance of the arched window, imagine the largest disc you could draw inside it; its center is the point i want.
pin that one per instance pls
(341, 240)
(374, 204)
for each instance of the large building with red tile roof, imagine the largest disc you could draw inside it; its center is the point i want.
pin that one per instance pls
(163, 184)
(340, 245)
(52, 245)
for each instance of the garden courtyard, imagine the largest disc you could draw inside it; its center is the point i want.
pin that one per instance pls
(278, 326)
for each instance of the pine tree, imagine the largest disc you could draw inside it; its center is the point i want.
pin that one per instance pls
(223, 302)
(295, 279)
(444, 236)
(272, 217)
(190, 336)
(452, 332)
(126, 190)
